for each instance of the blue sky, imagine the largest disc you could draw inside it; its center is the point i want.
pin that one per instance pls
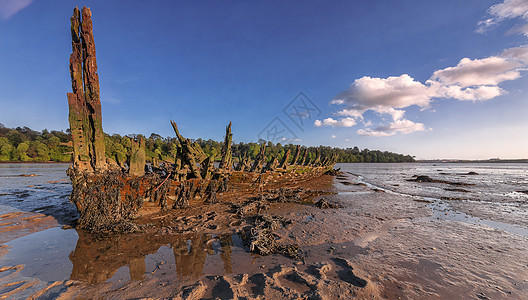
(434, 79)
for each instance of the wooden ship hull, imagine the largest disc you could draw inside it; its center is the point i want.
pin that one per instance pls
(108, 194)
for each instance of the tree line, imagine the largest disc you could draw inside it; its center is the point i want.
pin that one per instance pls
(25, 144)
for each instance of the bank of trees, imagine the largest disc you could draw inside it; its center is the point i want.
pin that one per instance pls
(24, 144)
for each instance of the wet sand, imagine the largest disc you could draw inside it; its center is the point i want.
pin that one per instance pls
(376, 245)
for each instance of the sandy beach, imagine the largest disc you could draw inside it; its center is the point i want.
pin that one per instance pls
(376, 244)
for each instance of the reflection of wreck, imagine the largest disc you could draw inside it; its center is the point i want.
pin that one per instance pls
(107, 193)
(95, 260)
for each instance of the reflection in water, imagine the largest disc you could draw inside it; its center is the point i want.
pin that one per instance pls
(226, 242)
(96, 261)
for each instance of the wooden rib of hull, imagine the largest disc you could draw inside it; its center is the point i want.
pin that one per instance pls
(239, 181)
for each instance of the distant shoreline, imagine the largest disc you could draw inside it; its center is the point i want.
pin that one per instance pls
(455, 161)
(521, 160)
(34, 162)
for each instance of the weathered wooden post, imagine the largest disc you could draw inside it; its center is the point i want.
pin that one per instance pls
(284, 162)
(303, 157)
(227, 158)
(84, 102)
(259, 160)
(297, 154)
(137, 158)
(188, 153)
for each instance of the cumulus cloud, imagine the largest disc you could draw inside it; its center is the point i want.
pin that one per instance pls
(385, 96)
(351, 112)
(9, 8)
(403, 126)
(344, 122)
(518, 54)
(488, 71)
(398, 125)
(478, 93)
(374, 133)
(400, 91)
(509, 9)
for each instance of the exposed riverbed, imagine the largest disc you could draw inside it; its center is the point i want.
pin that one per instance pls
(391, 238)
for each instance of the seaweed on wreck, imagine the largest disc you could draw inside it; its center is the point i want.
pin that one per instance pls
(182, 195)
(159, 193)
(210, 192)
(263, 240)
(100, 202)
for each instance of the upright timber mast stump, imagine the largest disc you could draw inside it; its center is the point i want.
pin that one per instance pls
(84, 102)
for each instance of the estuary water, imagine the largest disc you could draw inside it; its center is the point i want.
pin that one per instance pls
(493, 182)
(40, 188)
(485, 193)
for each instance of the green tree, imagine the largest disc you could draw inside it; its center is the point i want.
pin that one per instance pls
(15, 138)
(5, 149)
(20, 153)
(42, 152)
(53, 142)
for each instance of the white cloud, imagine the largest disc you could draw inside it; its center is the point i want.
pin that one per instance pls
(374, 133)
(351, 112)
(398, 125)
(368, 123)
(403, 126)
(344, 122)
(384, 96)
(339, 101)
(479, 93)
(399, 92)
(518, 54)
(9, 8)
(488, 71)
(396, 114)
(509, 9)
(333, 136)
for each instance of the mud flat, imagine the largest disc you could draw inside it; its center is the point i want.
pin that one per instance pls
(375, 245)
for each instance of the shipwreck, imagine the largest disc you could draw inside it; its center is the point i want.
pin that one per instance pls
(110, 194)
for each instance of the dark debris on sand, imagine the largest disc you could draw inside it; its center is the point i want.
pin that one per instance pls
(263, 240)
(323, 204)
(260, 235)
(425, 178)
(333, 172)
